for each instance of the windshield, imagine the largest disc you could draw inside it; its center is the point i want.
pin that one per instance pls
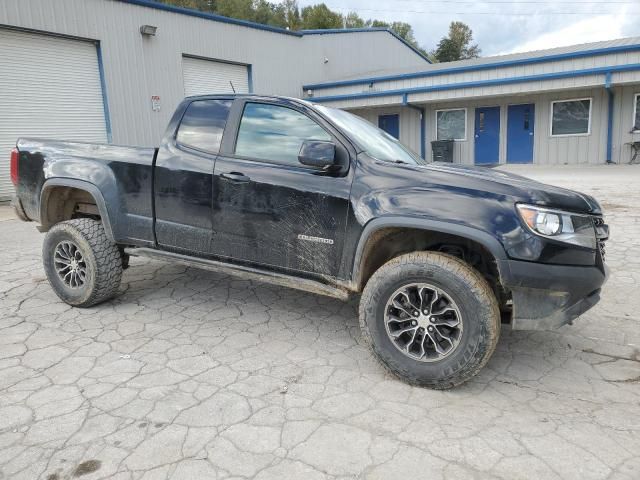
(371, 139)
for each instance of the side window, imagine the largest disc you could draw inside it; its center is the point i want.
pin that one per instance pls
(203, 124)
(274, 133)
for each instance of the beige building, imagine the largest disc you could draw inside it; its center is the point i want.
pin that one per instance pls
(571, 105)
(114, 70)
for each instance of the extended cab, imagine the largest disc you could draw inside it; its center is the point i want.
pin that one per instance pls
(318, 199)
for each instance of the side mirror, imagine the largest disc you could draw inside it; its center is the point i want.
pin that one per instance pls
(318, 154)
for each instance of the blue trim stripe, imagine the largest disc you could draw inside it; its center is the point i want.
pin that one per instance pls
(105, 101)
(320, 31)
(260, 26)
(478, 67)
(422, 55)
(209, 16)
(480, 83)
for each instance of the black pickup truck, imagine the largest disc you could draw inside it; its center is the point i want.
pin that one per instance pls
(317, 199)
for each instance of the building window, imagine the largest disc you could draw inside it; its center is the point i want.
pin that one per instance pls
(571, 117)
(451, 124)
(203, 124)
(636, 112)
(275, 134)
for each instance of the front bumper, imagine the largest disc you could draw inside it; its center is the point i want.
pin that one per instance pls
(548, 296)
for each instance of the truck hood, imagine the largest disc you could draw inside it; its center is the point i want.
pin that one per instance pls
(522, 189)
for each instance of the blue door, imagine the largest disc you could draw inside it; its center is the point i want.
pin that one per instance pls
(520, 120)
(390, 124)
(487, 136)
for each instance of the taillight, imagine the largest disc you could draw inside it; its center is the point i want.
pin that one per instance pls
(14, 166)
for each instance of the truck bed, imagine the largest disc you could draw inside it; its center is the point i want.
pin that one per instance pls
(123, 175)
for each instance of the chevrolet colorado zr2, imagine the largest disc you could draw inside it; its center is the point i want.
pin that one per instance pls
(314, 198)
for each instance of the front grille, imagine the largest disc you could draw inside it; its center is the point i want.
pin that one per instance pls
(602, 234)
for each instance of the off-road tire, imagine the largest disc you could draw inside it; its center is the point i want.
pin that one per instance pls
(474, 298)
(101, 256)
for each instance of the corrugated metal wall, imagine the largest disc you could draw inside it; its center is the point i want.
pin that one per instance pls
(623, 123)
(137, 67)
(548, 150)
(409, 123)
(571, 64)
(587, 149)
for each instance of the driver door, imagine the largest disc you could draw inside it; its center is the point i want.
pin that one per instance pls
(268, 208)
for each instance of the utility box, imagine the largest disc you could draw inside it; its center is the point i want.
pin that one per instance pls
(442, 151)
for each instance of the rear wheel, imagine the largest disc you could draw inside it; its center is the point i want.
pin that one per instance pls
(430, 319)
(83, 266)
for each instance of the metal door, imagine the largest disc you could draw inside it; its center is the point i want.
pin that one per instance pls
(487, 135)
(270, 210)
(520, 128)
(390, 124)
(49, 88)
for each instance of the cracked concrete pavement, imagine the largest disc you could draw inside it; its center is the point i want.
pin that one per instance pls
(195, 375)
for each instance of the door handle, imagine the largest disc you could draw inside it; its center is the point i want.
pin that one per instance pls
(235, 177)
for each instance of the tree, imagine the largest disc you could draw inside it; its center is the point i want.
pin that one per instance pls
(457, 45)
(241, 9)
(292, 14)
(353, 20)
(269, 14)
(319, 16)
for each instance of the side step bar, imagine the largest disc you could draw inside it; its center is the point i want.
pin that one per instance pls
(240, 271)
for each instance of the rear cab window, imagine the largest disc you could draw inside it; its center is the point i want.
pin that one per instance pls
(203, 124)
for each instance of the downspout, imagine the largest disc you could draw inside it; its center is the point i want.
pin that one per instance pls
(609, 88)
(423, 124)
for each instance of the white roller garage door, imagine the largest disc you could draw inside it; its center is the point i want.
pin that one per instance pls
(204, 77)
(50, 88)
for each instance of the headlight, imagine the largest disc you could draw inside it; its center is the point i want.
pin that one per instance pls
(558, 225)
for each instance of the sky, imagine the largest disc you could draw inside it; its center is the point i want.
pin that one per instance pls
(506, 26)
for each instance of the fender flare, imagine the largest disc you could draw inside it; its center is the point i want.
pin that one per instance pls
(88, 187)
(493, 246)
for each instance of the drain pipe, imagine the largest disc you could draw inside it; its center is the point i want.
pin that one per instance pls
(423, 126)
(609, 89)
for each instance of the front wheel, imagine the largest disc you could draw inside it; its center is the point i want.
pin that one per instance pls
(83, 266)
(431, 319)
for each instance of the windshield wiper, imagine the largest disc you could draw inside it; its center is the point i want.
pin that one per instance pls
(395, 160)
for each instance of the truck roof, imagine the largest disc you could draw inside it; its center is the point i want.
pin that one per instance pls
(250, 96)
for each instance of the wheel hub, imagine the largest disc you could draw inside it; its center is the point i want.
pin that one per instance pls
(70, 264)
(423, 322)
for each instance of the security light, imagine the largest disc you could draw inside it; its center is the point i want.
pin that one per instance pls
(149, 30)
